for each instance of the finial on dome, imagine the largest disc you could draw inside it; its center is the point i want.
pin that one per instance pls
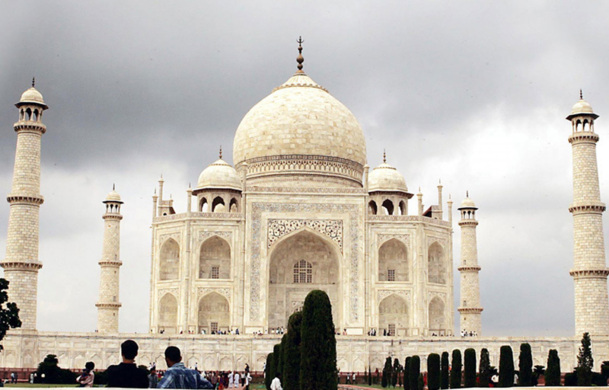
(113, 186)
(467, 193)
(300, 58)
(33, 82)
(581, 94)
(384, 157)
(220, 152)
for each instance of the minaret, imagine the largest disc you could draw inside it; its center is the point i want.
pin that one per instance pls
(110, 263)
(470, 309)
(589, 268)
(21, 263)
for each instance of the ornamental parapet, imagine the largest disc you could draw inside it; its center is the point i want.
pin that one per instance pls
(117, 217)
(470, 310)
(407, 218)
(198, 215)
(108, 305)
(590, 273)
(25, 199)
(469, 268)
(590, 208)
(583, 137)
(21, 266)
(33, 127)
(110, 263)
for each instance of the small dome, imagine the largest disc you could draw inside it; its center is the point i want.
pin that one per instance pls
(31, 95)
(219, 175)
(386, 178)
(582, 107)
(467, 204)
(113, 196)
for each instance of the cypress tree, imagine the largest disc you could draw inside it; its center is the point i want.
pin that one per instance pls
(444, 371)
(291, 353)
(318, 344)
(407, 373)
(485, 368)
(386, 372)
(396, 372)
(433, 371)
(469, 359)
(281, 356)
(506, 367)
(268, 377)
(277, 358)
(415, 371)
(455, 372)
(585, 362)
(369, 376)
(525, 366)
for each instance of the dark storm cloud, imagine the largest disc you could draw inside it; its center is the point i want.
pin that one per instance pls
(471, 92)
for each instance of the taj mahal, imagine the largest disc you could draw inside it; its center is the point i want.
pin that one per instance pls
(299, 209)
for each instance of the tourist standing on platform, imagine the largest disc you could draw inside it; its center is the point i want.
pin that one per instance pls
(126, 374)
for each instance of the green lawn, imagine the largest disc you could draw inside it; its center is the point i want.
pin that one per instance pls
(37, 385)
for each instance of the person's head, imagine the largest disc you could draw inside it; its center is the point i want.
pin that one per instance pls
(278, 375)
(89, 366)
(129, 349)
(172, 355)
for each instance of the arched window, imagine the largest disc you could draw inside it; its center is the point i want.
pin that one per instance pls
(168, 314)
(403, 210)
(388, 207)
(35, 118)
(436, 316)
(436, 267)
(393, 262)
(215, 259)
(169, 260)
(372, 209)
(303, 272)
(234, 208)
(28, 113)
(204, 206)
(218, 205)
(393, 316)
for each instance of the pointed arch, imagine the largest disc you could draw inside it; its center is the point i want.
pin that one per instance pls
(393, 315)
(204, 205)
(213, 313)
(393, 261)
(215, 259)
(388, 207)
(436, 264)
(218, 205)
(169, 260)
(372, 208)
(403, 209)
(437, 320)
(168, 314)
(234, 206)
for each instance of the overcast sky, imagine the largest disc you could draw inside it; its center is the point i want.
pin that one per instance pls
(470, 92)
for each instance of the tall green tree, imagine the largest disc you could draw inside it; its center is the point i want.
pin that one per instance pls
(444, 371)
(525, 366)
(485, 368)
(369, 376)
(277, 357)
(386, 372)
(318, 344)
(433, 371)
(585, 362)
(455, 372)
(396, 372)
(407, 373)
(9, 312)
(415, 371)
(291, 353)
(269, 370)
(506, 366)
(469, 377)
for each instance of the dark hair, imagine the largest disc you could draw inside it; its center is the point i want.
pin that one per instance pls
(89, 366)
(129, 349)
(173, 353)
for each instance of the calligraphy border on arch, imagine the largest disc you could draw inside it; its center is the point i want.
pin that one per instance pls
(277, 228)
(355, 233)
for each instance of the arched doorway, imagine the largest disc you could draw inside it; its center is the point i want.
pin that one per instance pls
(437, 323)
(214, 313)
(168, 314)
(169, 260)
(300, 263)
(215, 259)
(393, 316)
(393, 263)
(436, 266)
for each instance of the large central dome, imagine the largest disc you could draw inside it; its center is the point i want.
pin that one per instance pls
(302, 133)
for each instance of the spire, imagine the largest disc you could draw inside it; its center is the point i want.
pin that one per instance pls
(467, 194)
(300, 58)
(581, 94)
(384, 157)
(220, 154)
(113, 186)
(33, 82)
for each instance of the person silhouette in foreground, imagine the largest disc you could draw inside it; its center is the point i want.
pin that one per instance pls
(127, 374)
(178, 376)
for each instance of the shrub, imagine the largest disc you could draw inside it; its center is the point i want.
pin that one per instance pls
(53, 374)
(444, 371)
(485, 368)
(553, 371)
(469, 377)
(415, 371)
(598, 379)
(525, 366)
(386, 372)
(455, 372)
(571, 379)
(291, 353)
(584, 362)
(506, 367)
(433, 371)
(318, 344)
